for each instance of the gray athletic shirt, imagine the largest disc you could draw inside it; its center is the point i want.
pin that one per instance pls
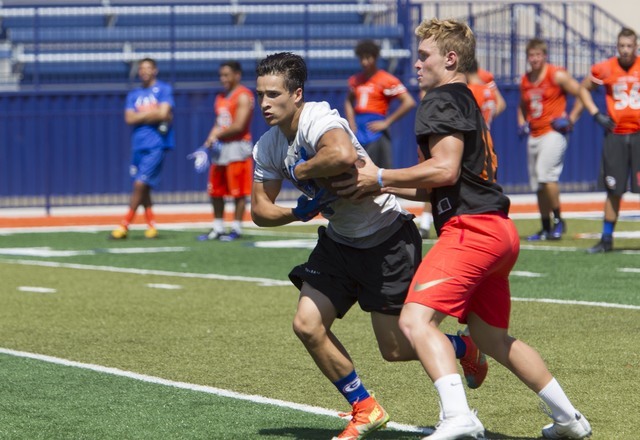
(363, 223)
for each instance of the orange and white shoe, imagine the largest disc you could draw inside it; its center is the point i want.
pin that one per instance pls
(474, 362)
(120, 233)
(367, 416)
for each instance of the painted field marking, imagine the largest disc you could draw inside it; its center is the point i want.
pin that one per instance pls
(205, 276)
(164, 286)
(47, 252)
(272, 282)
(193, 387)
(526, 274)
(36, 289)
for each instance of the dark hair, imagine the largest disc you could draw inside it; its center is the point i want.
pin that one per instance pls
(150, 61)
(233, 65)
(367, 48)
(286, 64)
(627, 32)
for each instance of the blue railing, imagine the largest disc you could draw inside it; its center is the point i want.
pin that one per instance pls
(68, 144)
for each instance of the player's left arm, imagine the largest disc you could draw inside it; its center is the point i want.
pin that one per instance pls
(335, 154)
(154, 116)
(406, 104)
(570, 85)
(443, 168)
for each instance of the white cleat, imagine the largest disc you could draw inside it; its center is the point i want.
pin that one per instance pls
(576, 428)
(464, 426)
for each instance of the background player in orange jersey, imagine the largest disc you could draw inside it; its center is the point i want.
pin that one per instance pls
(366, 107)
(231, 172)
(542, 115)
(487, 95)
(621, 150)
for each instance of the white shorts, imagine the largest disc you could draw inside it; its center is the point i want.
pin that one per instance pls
(545, 156)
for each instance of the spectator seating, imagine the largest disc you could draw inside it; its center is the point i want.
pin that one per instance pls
(102, 43)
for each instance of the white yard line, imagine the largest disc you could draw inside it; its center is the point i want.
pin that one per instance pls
(204, 276)
(193, 387)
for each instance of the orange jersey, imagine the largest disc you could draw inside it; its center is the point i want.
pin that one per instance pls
(225, 107)
(544, 101)
(373, 95)
(487, 78)
(623, 93)
(485, 96)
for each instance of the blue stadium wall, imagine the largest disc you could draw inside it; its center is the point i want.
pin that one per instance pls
(73, 148)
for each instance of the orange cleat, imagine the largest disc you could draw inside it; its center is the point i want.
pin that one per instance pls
(474, 362)
(367, 416)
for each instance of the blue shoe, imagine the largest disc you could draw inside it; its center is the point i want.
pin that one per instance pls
(231, 236)
(211, 235)
(540, 236)
(559, 228)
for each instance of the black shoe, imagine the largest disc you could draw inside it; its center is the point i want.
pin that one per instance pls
(602, 247)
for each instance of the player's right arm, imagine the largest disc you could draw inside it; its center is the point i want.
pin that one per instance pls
(264, 211)
(501, 104)
(155, 116)
(349, 111)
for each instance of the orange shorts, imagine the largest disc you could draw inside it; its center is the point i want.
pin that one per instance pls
(233, 179)
(467, 270)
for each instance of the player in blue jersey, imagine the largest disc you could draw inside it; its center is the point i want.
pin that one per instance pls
(148, 111)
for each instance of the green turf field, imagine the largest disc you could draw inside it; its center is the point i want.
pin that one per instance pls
(151, 339)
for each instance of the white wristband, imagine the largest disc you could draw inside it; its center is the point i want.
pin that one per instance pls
(380, 177)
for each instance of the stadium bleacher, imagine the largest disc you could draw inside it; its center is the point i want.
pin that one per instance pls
(102, 43)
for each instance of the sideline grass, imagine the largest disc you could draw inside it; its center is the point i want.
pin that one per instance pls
(237, 336)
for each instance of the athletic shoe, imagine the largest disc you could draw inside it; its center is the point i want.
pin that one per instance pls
(474, 362)
(120, 233)
(151, 232)
(458, 427)
(233, 235)
(541, 235)
(559, 228)
(211, 235)
(367, 416)
(424, 233)
(604, 245)
(576, 428)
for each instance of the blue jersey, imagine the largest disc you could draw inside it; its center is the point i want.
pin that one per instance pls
(146, 136)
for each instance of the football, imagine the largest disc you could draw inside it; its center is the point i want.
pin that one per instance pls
(326, 182)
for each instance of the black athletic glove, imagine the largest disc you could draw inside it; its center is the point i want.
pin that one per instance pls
(605, 121)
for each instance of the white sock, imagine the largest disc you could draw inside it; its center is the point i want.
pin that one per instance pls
(453, 400)
(425, 220)
(218, 225)
(236, 226)
(561, 408)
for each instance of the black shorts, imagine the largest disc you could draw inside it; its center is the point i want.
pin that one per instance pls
(621, 160)
(377, 278)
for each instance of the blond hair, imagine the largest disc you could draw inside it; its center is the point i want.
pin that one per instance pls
(450, 35)
(538, 44)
